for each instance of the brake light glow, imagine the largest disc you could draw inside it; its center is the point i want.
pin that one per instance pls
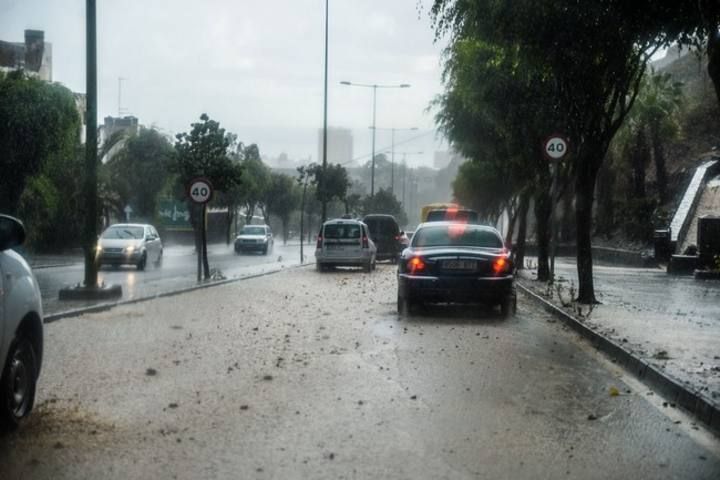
(500, 265)
(416, 265)
(365, 243)
(319, 241)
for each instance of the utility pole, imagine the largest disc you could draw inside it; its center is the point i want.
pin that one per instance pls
(90, 187)
(325, 106)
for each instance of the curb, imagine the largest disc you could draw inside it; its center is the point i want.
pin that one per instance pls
(102, 307)
(674, 391)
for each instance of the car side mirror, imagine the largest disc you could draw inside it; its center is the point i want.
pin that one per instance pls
(12, 232)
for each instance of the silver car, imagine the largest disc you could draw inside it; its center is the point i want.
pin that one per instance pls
(21, 327)
(130, 244)
(254, 238)
(345, 243)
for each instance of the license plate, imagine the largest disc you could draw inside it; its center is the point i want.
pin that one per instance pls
(459, 264)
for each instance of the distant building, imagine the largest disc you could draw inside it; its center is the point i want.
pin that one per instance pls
(340, 146)
(33, 56)
(112, 125)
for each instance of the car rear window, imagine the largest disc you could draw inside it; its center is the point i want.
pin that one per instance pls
(457, 235)
(342, 231)
(382, 226)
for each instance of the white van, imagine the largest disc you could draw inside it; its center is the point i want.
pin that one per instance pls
(345, 243)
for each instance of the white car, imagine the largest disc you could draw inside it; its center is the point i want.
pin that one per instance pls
(21, 327)
(346, 243)
(130, 244)
(254, 238)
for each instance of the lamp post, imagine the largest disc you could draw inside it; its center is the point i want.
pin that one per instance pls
(374, 86)
(392, 152)
(325, 105)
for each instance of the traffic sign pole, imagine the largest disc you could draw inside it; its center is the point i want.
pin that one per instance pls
(555, 147)
(200, 191)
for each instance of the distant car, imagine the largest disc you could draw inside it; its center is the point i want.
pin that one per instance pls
(21, 328)
(345, 243)
(452, 214)
(255, 238)
(130, 244)
(404, 241)
(450, 262)
(385, 232)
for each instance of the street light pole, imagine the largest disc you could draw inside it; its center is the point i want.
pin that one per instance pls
(372, 169)
(90, 237)
(374, 86)
(392, 163)
(325, 106)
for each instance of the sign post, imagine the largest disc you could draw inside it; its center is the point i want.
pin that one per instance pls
(555, 147)
(200, 191)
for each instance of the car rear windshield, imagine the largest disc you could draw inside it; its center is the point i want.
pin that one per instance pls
(382, 226)
(253, 231)
(456, 235)
(342, 231)
(132, 233)
(468, 216)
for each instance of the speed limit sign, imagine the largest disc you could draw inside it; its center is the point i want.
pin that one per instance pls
(200, 190)
(555, 147)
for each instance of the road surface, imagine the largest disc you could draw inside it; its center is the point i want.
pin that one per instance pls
(309, 375)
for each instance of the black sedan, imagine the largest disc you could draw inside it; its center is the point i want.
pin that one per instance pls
(450, 262)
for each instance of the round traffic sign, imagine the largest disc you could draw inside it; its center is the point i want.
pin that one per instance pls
(200, 190)
(555, 147)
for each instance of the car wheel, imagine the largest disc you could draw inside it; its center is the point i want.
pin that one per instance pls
(265, 250)
(367, 268)
(319, 267)
(18, 382)
(402, 306)
(142, 263)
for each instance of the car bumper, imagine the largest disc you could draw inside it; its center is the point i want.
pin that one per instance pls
(454, 289)
(120, 258)
(250, 247)
(343, 260)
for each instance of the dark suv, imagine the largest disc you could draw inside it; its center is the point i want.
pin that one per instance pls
(385, 233)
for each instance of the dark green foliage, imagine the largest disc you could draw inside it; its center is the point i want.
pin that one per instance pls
(139, 171)
(384, 202)
(39, 131)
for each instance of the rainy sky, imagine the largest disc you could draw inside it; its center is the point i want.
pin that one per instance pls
(256, 66)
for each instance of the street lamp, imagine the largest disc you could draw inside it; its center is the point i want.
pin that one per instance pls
(374, 86)
(392, 152)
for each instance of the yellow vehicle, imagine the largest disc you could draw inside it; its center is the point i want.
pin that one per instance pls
(435, 206)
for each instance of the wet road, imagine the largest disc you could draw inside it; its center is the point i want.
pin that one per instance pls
(178, 270)
(309, 375)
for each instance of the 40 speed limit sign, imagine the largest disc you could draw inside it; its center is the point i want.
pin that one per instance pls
(555, 147)
(200, 190)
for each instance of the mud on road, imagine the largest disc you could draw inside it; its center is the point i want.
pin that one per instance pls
(309, 375)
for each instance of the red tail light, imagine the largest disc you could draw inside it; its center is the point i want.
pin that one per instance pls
(365, 243)
(319, 241)
(501, 265)
(397, 237)
(416, 265)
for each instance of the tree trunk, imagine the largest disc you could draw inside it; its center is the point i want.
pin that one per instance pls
(543, 208)
(285, 221)
(519, 249)
(249, 212)
(713, 51)
(512, 215)
(206, 264)
(640, 156)
(229, 223)
(584, 195)
(659, 157)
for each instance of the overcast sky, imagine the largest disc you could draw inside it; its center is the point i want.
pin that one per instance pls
(255, 66)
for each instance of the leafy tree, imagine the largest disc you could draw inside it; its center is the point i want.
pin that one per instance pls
(258, 180)
(595, 54)
(40, 126)
(282, 198)
(139, 171)
(335, 184)
(384, 202)
(203, 152)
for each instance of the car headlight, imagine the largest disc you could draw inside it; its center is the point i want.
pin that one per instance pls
(130, 249)
(98, 248)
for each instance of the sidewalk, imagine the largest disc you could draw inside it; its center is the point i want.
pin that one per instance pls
(672, 323)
